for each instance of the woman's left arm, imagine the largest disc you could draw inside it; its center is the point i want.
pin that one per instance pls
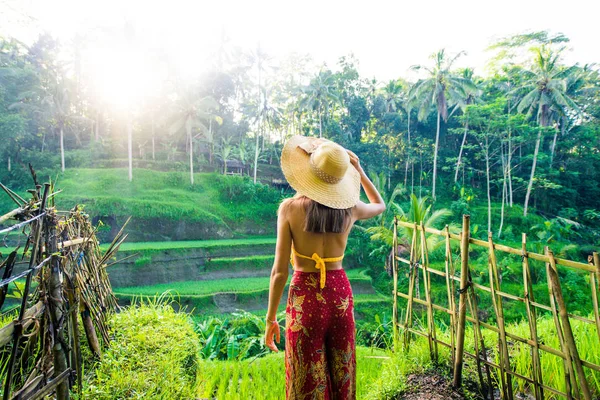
(279, 275)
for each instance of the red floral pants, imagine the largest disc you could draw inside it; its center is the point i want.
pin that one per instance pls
(320, 359)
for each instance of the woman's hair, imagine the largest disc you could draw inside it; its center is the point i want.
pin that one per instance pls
(321, 219)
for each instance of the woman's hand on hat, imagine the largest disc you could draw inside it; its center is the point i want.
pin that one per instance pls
(354, 160)
(272, 328)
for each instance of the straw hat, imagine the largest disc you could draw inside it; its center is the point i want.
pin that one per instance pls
(320, 169)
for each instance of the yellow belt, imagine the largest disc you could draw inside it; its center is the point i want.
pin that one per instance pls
(319, 263)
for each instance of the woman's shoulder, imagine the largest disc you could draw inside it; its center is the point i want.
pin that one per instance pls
(290, 204)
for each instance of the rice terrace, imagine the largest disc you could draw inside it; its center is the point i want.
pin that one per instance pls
(150, 191)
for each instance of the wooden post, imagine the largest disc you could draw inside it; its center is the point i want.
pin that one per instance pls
(566, 327)
(412, 273)
(395, 273)
(57, 314)
(594, 282)
(462, 309)
(505, 376)
(532, 319)
(431, 334)
(450, 291)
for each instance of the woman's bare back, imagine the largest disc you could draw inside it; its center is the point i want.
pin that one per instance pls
(324, 244)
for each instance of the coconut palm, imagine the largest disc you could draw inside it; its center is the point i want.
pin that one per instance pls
(472, 93)
(225, 152)
(319, 94)
(544, 91)
(439, 88)
(192, 112)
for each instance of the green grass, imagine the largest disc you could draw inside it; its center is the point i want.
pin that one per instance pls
(191, 244)
(166, 196)
(264, 378)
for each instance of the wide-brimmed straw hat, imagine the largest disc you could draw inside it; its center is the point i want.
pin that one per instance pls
(321, 170)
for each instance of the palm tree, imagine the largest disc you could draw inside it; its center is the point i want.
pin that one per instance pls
(225, 152)
(440, 87)
(319, 94)
(462, 103)
(191, 112)
(544, 90)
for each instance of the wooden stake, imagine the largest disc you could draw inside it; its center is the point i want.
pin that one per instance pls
(595, 287)
(462, 310)
(505, 377)
(566, 326)
(395, 272)
(532, 319)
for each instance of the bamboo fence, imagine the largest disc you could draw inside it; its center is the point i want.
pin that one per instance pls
(459, 283)
(57, 281)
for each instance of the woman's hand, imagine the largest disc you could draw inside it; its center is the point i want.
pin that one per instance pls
(272, 329)
(354, 160)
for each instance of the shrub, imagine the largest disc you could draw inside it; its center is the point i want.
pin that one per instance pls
(153, 354)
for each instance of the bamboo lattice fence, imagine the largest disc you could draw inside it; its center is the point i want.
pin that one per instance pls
(461, 307)
(54, 283)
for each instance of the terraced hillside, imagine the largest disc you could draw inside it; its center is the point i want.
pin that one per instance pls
(213, 276)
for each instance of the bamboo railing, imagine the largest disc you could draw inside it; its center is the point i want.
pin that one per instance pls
(40, 353)
(465, 309)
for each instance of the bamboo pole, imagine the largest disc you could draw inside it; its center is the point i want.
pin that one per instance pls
(505, 378)
(395, 274)
(566, 326)
(449, 266)
(568, 365)
(18, 326)
(595, 286)
(479, 343)
(427, 286)
(532, 320)
(411, 286)
(464, 270)
(57, 307)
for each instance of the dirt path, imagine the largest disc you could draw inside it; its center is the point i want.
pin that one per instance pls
(430, 387)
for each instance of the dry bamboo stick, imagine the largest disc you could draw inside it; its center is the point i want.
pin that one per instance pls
(570, 381)
(450, 292)
(567, 331)
(395, 274)
(411, 286)
(594, 286)
(497, 302)
(427, 287)
(462, 310)
(532, 320)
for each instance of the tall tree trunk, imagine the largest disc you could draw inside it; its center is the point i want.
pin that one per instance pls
(407, 148)
(487, 176)
(320, 123)
(504, 193)
(62, 149)
(130, 146)
(462, 146)
(188, 128)
(97, 126)
(435, 154)
(211, 145)
(509, 168)
(153, 144)
(562, 132)
(535, 155)
(256, 157)
(9, 166)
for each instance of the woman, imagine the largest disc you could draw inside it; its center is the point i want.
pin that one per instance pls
(313, 226)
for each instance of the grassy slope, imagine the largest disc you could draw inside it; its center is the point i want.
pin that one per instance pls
(192, 244)
(153, 194)
(237, 285)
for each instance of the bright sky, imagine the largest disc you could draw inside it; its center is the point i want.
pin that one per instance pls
(386, 36)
